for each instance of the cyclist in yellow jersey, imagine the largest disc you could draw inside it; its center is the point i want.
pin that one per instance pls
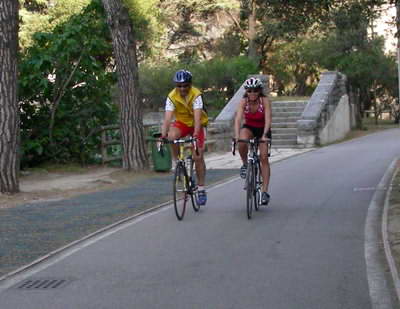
(186, 104)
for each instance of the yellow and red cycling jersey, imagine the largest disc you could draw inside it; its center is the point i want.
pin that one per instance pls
(184, 107)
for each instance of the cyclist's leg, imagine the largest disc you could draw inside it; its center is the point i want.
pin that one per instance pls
(245, 133)
(265, 166)
(198, 159)
(200, 166)
(176, 131)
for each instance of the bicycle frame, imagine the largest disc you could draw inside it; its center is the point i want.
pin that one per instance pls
(253, 178)
(184, 182)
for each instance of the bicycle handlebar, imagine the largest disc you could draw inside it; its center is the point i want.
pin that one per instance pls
(252, 141)
(192, 140)
(180, 141)
(248, 141)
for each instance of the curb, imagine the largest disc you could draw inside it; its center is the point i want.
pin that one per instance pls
(380, 291)
(388, 251)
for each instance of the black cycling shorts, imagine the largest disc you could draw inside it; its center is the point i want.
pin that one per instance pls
(257, 132)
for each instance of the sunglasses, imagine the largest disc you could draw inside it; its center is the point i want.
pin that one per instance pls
(183, 86)
(252, 90)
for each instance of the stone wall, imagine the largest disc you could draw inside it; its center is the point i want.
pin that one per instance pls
(328, 114)
(339, 124)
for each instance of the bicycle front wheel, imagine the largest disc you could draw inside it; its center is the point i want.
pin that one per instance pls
(193, 187)
(250, 189)
(257, 187)
(180, 191)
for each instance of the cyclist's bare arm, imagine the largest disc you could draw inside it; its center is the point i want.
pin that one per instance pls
(268, 115)
(238, 118)
(197, 121)
(167, 122)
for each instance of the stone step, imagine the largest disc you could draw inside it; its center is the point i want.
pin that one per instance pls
(211, 130)
(285, 137)
(287, 146)
(298, 109)
(278, 130)
(286, 114)
(283, 142)
(290, 119)
(284, 125)
(289, 104)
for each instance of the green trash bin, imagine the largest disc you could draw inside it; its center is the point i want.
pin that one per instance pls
(162, 161)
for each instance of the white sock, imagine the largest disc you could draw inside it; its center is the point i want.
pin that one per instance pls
(200, 188)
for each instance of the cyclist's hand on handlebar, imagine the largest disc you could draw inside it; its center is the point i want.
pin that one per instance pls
(163, 139)
(234, 142)
(195, 143)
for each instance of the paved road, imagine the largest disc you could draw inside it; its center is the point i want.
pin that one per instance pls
(306, 250)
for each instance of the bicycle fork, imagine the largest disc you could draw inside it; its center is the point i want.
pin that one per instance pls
(191, 180)
(257, 186)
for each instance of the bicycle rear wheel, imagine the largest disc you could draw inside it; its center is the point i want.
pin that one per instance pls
(180, 188)
(250, 189)
(193, 187)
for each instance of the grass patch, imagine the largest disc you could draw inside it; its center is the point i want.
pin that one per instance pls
(395, 193)
(60, 168)
(369, 124)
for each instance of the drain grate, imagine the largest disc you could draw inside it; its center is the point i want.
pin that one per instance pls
(43, 284)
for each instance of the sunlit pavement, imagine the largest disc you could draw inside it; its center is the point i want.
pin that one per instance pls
(228, 161)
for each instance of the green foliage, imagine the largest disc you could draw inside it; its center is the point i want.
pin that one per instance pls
(294, 67)
(230, 45)
(188, 29)
(143, 24)
(348, 48)
(44, 16)
(64, 90)
(218, 78)
(277, 22)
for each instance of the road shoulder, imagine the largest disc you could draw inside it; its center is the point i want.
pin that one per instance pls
(391, 227)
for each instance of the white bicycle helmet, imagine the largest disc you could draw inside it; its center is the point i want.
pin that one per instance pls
(252, 83)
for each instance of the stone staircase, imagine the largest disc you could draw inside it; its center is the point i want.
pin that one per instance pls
(284, 123)
(284, 128)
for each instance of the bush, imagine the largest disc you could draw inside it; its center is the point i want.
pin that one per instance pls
(64, 90)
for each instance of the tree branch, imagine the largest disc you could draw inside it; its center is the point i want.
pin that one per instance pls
(59, 97)
(244, 32)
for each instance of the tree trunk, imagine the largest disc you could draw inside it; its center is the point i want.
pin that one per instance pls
(354, 96)
(252, 32)
(9, 114)
(397, 2)
(134, 155)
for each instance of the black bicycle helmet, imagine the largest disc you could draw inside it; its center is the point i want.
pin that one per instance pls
(183, 76)
(252, 83)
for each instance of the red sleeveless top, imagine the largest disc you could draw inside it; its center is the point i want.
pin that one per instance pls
(256, 119)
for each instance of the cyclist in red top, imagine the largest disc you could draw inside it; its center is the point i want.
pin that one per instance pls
(256, 109)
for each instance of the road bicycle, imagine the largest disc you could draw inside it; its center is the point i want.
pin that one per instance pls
(184, 184)
(253, 182)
